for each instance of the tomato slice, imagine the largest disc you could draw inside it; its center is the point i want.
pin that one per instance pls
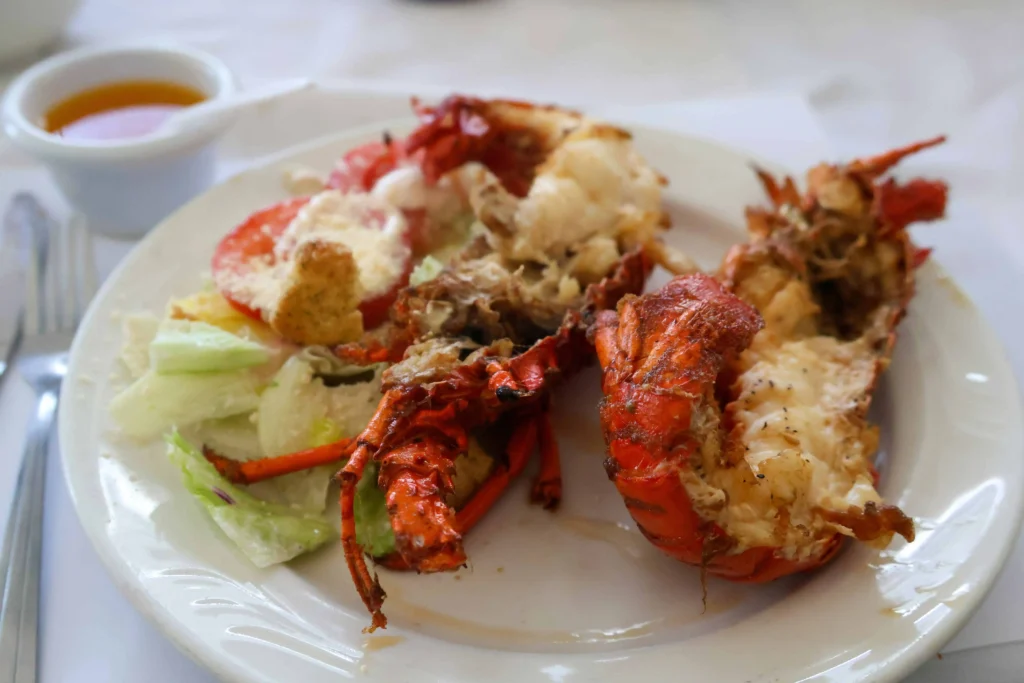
(377, 310)
(361, 168)
(256, 237)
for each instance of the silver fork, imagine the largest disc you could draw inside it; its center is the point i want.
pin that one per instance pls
(61, 283)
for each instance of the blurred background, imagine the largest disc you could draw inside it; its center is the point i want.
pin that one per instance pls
(874, 71)
(858, 78)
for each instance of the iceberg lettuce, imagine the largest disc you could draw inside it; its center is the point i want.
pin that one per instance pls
(266, 533)
(425, 270)
(154, 403)
(137, 332)
(373, 526)
(182, 346)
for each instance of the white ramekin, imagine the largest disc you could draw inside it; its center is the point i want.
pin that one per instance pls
(123, 187)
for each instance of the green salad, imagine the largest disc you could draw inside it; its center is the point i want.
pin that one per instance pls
(227, 386)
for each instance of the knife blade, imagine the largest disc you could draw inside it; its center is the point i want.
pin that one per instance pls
(24, 217)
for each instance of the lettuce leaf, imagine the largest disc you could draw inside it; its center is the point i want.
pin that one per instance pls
(298, 411)
(236, 438)
(154, 403)
(323, 431)
(288, 408)
(266, 533)
(233, 437)
(295, 408)
(373, 526)
(426, 270)
(187, 346)
(137, 332)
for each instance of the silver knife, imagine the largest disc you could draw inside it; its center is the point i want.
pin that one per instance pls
(20, 225)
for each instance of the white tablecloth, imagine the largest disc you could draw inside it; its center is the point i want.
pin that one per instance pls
(844, 80)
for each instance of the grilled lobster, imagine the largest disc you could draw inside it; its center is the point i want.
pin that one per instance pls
(420, 428)
(487, 338)
(735, 409)
(424, 421)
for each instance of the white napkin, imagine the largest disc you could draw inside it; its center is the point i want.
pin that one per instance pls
(89, 631)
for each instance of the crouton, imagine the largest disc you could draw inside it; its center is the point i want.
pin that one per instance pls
(320, 296)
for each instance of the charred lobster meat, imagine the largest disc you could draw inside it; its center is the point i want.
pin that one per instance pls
(735, 407)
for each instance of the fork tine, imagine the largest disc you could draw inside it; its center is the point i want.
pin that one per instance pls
(69, 295)
(93, 279)
(33, 293)
(71, 292)
(88, 275)
(36, 290)
(53, 282)
(42, 236)
(63, 282)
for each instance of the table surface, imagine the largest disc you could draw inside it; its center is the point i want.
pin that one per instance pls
(874, 73)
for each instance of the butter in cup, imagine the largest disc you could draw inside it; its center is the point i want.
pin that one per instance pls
(123, 186)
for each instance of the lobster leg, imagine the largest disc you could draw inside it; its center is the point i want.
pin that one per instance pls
(518, 451)
(367, 586)
(779, 196)
(547, 487)
(899, 205)
(877, 165)
(368, 445)
(373, 351)
(252, 471)
(416, 477)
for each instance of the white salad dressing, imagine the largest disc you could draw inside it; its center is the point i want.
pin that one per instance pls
(370, 228)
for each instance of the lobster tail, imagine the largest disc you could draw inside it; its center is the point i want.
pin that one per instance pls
(745, 448)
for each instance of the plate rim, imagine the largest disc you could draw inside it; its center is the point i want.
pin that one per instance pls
(189, 642)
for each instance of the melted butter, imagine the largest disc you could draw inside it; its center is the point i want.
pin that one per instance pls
(950, 285)
(916, 578)
(376, 643)
(400, 609)
(512, 637)
(114, 111)
(627, 540)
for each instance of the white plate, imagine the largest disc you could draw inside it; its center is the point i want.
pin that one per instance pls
(578, 595)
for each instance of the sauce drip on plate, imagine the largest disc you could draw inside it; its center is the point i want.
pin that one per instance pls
(115, 111)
